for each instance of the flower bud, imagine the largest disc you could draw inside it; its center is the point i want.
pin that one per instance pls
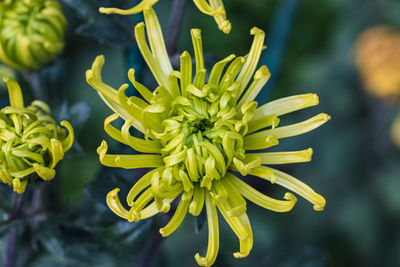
(31, 32)
(30, 141)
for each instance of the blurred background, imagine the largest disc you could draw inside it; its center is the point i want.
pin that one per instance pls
(348, 52)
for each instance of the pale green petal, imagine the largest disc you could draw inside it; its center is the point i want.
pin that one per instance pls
(14, 92)
(186, 70)
(156, 40)
(216, 71)
(198, 49)
(261, 199)
(115, 205)
(107, 93)
(284, 157)
(286, 105)
(293, 129)
(294, 185)
(128, 161)
(69, 140)
(252, 59)
(217, 10)
(263, 122)
(256, 143)
(4, 176)
(196, 206)
(261, 77)
(139, 87)
(139, 186)
(213, 234)
(44, 172)
(19, 185)
(179, 215)
(144, 4)
(57, 151)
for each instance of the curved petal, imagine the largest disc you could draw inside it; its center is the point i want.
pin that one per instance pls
(134, 10)
(292, 184)
(252, 59)
(213, 234)
(69, 140)
(261, 77)
(198, 49)
(261, 199)
(217, 10)
(14, 92)
(115, 205)
(293, 129)
(196, 206)
(107, 93)
(286, 105)
(179, 215)
(128, 161)
(140, 145)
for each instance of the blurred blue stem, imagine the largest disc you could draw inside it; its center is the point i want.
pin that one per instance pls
(174, 27)
(279, 33)
(134, 58)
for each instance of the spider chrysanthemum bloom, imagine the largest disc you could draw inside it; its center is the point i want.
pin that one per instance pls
(30, 140)
(197, 134)
(214, 8)
(31, 32)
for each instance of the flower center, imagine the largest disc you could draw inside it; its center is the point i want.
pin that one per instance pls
(202, 125)
(201, 138)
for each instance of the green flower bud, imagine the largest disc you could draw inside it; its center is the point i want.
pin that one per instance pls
(30, 140)
(31, 32)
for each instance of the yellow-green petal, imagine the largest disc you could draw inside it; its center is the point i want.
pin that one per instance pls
(213, 234)
(134, 10)
(262, 200)
(127, 161)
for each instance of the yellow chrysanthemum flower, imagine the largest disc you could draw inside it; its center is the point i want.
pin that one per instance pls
(198, 133)
(395, 131)
(31, 32)
(30, 140)
(377, 58)
(213, 8)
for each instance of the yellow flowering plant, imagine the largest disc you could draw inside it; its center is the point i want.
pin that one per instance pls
(31, 32)
(377, 58)
(198, 133)
(214, 8)
(31, 142)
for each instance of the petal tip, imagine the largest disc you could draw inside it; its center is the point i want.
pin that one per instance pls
(290, 197)
(202, 261)
(256, 31)
(321, 205)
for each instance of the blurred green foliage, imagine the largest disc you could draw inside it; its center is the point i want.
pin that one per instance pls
(355, 165)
